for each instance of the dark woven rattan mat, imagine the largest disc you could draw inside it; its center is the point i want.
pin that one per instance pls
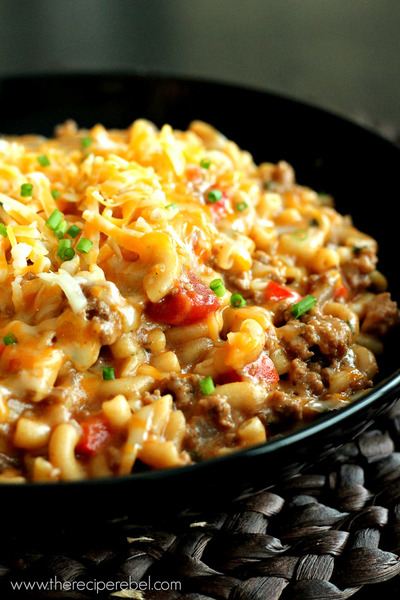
(332, 533)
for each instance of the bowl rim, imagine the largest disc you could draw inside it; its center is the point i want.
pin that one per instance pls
(388, 387)
(141, 72)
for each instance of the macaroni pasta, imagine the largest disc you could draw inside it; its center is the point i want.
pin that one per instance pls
(165, 300)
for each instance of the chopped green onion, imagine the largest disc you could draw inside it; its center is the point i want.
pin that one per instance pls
(86, 141)
(207, 385)
(241, 206)
(3, 230)
(10, 339)
(74, 231)
(218, 287)
(172, 206)
(65, 252)
(205, 163)
(108, 373)
(300, 234)
(43, 160)
(60, 230)
(55, 193)
(84, 245)
(214, 196)
(68, 254)
(237, 301)
(303, 306)
(54, 219)
(26, 190)
(64, 249)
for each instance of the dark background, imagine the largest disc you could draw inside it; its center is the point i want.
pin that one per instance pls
(343, 55)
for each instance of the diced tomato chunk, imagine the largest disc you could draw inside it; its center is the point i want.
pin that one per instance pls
(2, 348)
(14, 365)
(189, 302)
(95, 432)
(229, 377)
(340, 291)
(219, 209)
(275, 293)
(194, 174)
(262, 369)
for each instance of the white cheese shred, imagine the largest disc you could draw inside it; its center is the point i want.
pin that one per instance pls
(69, 286)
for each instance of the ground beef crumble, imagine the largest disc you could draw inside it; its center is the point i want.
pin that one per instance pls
(356, 272)
(331, 335)
(305, 380)
(381, 315)
(218, 410)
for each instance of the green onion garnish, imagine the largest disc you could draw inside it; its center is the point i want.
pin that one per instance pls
(3, 230)
(26, 190)
(73, 231)
(64, 251)
(300, 234)
(241, 206)
(86, 141)
(214, 196)
(10, 339)
(60, 230)
(55, 193)
(68, 254)
(207, 385)
(172, 206)
(303, 306)
(237, 301)
(43, 160)
(54, 219)
(217, 286)
(84, 245)
(205, 163)
(108, 373)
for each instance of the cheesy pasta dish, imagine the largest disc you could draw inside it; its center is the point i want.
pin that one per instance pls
(165, 300)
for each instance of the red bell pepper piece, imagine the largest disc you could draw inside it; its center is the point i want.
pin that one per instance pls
(95, 432)
(258, 371)
(220, 207)
(275, 293)
(340, 292)
(261, 370)
(189, 302)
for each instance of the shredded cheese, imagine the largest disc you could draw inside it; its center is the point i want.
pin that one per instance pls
(69, 286)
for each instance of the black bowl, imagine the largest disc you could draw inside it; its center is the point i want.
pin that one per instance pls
(329, 154)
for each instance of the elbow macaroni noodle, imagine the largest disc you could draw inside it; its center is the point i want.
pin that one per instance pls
(147, 280)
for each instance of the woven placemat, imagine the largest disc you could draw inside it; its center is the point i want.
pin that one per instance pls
(332, 532)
